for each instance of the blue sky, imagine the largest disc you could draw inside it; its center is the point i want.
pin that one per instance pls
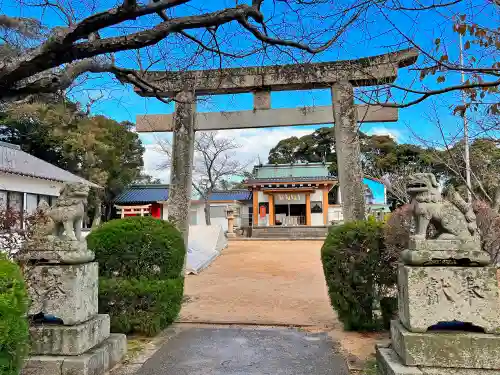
(377, 35)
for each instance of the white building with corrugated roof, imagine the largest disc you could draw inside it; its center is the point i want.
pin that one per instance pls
(26, 179)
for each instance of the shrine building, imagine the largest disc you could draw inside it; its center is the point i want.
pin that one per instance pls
(303, 194)
(280, 199)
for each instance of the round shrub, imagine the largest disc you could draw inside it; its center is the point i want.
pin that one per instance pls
(355, 271)
(14, 336)
(141, 306)
(138, 247)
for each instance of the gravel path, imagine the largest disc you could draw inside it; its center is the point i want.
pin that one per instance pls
(264, 282)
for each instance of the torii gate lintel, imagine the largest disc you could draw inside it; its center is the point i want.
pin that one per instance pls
(341, 77)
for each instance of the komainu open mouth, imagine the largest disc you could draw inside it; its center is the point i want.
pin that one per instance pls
(416, 185)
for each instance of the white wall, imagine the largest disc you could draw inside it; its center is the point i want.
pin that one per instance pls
(261, 220)
(335, 214)
(263, 197)
(29, 184)
(245, 213)
(317, 219)
(164, 211)
(200, 214)
(199, 211)
(317, 196)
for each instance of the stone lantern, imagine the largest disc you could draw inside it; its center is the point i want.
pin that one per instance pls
(230, 222)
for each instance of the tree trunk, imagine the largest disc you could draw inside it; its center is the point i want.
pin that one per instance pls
(207, 212)
(109, 211)
(179, 194)
(496, 199)
(97, 213)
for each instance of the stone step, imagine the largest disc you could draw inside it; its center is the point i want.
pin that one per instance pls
(96, 361)
(289, 232)
(389, 363)
(50, 339)
(446, 348)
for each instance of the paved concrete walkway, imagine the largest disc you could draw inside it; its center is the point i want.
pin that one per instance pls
(245, 351)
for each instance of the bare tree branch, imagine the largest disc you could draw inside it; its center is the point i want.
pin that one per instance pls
(214, 162)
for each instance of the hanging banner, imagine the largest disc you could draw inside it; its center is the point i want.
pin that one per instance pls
(289, 198)
(262, 211)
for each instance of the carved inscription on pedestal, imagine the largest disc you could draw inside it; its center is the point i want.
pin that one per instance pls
(441, 290)
(431, 295)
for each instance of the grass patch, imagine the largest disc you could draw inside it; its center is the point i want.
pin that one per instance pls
(371, 367)
(135, 344)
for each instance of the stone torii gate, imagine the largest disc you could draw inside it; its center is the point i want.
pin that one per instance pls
(340, 76)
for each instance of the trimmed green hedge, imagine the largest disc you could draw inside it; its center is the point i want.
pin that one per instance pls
(140, 265)
(140, 305)
(138, 247)
(355, 268)
(14, 334)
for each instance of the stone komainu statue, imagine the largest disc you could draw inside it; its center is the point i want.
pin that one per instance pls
(68, 211)
(452, 217)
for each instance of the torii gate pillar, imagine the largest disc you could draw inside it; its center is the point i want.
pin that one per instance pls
(181, 172)
(348, 152)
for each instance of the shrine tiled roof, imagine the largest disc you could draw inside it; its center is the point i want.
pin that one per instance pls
(308, 179)
(231, 195)
(143, 194)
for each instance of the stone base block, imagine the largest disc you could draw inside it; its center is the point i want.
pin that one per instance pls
(446, 348)
(388, 363)
(422, 244)
(97, 361)
(68, 292)
(48, 339)
(445, 257)
(432, 295)
(56, 256)
(51, 249)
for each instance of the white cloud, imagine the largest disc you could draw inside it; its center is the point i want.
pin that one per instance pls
(257, 143)
(152, 159)
(254, 143)
(395, 134)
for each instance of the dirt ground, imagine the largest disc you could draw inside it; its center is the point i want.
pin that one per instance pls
(261, 283)
(271, 283)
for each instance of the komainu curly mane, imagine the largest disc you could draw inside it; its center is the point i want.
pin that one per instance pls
(452, 217)
(68, 211)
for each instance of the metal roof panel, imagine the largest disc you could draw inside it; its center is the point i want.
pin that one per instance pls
(143, 194)
(231, 195)
(306, 179)
(13, 160)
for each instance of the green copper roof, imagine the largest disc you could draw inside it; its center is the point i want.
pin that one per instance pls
(292, 170)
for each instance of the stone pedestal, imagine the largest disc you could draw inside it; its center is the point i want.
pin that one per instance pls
(450, 349)
(96, 361)
(66, 291)
(449, 313)
(68, 337)
(55, 250)
(457, 252)
(49, 339)
(431, 295)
